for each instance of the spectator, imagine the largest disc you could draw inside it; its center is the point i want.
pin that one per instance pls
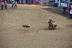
(15, 5)
(70, 10)
(5, 5)
(2, 5)
(64, 7)
(13, 2)
(20, 1)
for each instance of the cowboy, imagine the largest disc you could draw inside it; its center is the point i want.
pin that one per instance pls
(51, 24)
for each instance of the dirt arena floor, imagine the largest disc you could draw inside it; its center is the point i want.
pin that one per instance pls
(14, 35)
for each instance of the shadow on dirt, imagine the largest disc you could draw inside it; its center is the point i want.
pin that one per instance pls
(57, 10)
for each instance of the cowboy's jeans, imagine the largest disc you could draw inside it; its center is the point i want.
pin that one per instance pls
(70, 16)
(64, 10)
(12, 4)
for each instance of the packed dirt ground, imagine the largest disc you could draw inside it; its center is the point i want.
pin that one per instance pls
(14, 35)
